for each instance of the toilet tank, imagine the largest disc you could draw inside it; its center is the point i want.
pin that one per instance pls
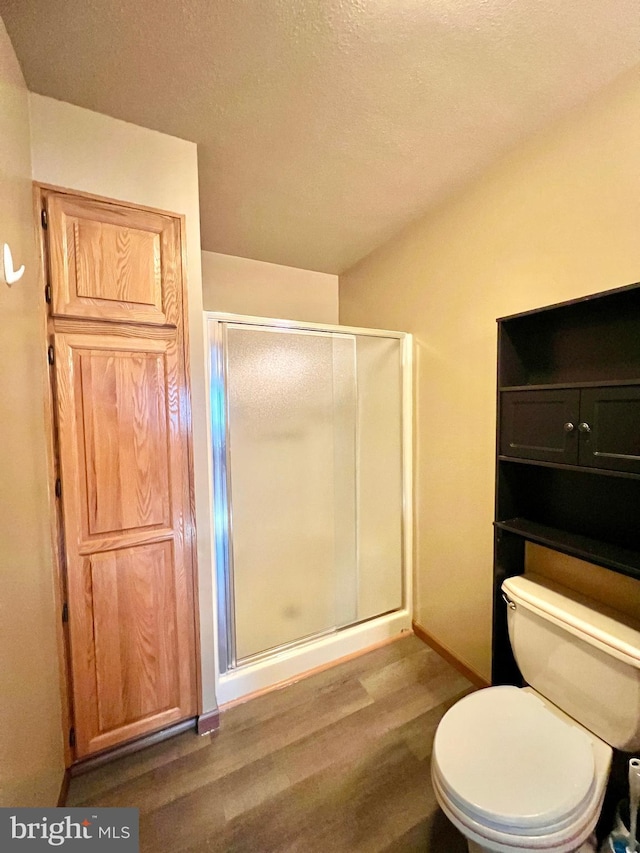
(580, 655)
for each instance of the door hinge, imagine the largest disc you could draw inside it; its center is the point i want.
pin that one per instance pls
(58, 488)
(44, 219)
(72, 737)
(50, 354)
(65, 612)
(47, 294)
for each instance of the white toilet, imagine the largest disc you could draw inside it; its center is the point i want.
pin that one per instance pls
(525, 769)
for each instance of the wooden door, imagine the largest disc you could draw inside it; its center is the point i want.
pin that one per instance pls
(540, 425)
(113, 262)
(122, 415)
(610, 428)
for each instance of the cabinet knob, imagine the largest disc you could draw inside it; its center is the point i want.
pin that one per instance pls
(569, 427)
(584, 427)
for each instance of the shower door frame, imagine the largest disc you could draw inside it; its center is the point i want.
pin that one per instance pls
(219, 472)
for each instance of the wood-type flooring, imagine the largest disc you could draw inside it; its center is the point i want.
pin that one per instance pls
(335, 763)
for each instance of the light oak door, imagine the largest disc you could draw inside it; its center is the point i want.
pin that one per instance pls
(122, 417)
(112, 262)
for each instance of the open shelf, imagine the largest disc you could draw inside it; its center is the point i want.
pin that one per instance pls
(599, 507)
(580, 469)
(589, 340)
(618, 383)
(603, 554)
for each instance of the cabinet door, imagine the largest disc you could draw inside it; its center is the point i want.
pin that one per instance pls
(111, 262)
(540, 425)
(610, 428)
(125, 501)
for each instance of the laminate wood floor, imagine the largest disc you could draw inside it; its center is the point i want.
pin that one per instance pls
(335, 763)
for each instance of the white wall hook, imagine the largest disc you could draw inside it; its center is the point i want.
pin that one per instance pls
(11, 275)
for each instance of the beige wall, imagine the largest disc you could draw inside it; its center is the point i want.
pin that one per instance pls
(244, 286)
(622, 595)
(557, 219)
(31, 750)
(79, 149)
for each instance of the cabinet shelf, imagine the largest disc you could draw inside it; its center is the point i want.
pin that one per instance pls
(552, 386)
(559, 466)
(622, 560)
(592, 340)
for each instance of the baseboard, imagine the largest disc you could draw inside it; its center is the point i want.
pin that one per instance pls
(64, 789)
(473, 676)
(209, 722)
(94, 761)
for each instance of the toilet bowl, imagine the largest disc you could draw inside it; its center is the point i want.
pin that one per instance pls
(513, 773)
(526, 769)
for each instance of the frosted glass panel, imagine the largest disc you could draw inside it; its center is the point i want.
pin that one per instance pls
(344, 479)
(379, 475)
(308, 481)
(291, 408)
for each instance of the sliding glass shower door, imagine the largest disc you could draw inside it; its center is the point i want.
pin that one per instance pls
(308, 473)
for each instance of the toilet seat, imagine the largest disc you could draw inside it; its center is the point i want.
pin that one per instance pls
(516, 730)
(531, 773)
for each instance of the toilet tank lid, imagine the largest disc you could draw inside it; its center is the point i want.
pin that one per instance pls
(615, 633)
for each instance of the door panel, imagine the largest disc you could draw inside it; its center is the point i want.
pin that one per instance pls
(533, 425)
(123, 408)
(135, 625)
(610, 418)
(125, 503)
(291, 414)
(112, 262)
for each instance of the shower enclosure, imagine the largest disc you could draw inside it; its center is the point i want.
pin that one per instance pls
(310, 437)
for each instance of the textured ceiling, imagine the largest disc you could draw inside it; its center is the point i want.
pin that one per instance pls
(324, 126)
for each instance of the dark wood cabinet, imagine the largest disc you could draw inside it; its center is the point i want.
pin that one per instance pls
(540, 425)
(597, 427)
(609, 428)
(568, 446)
